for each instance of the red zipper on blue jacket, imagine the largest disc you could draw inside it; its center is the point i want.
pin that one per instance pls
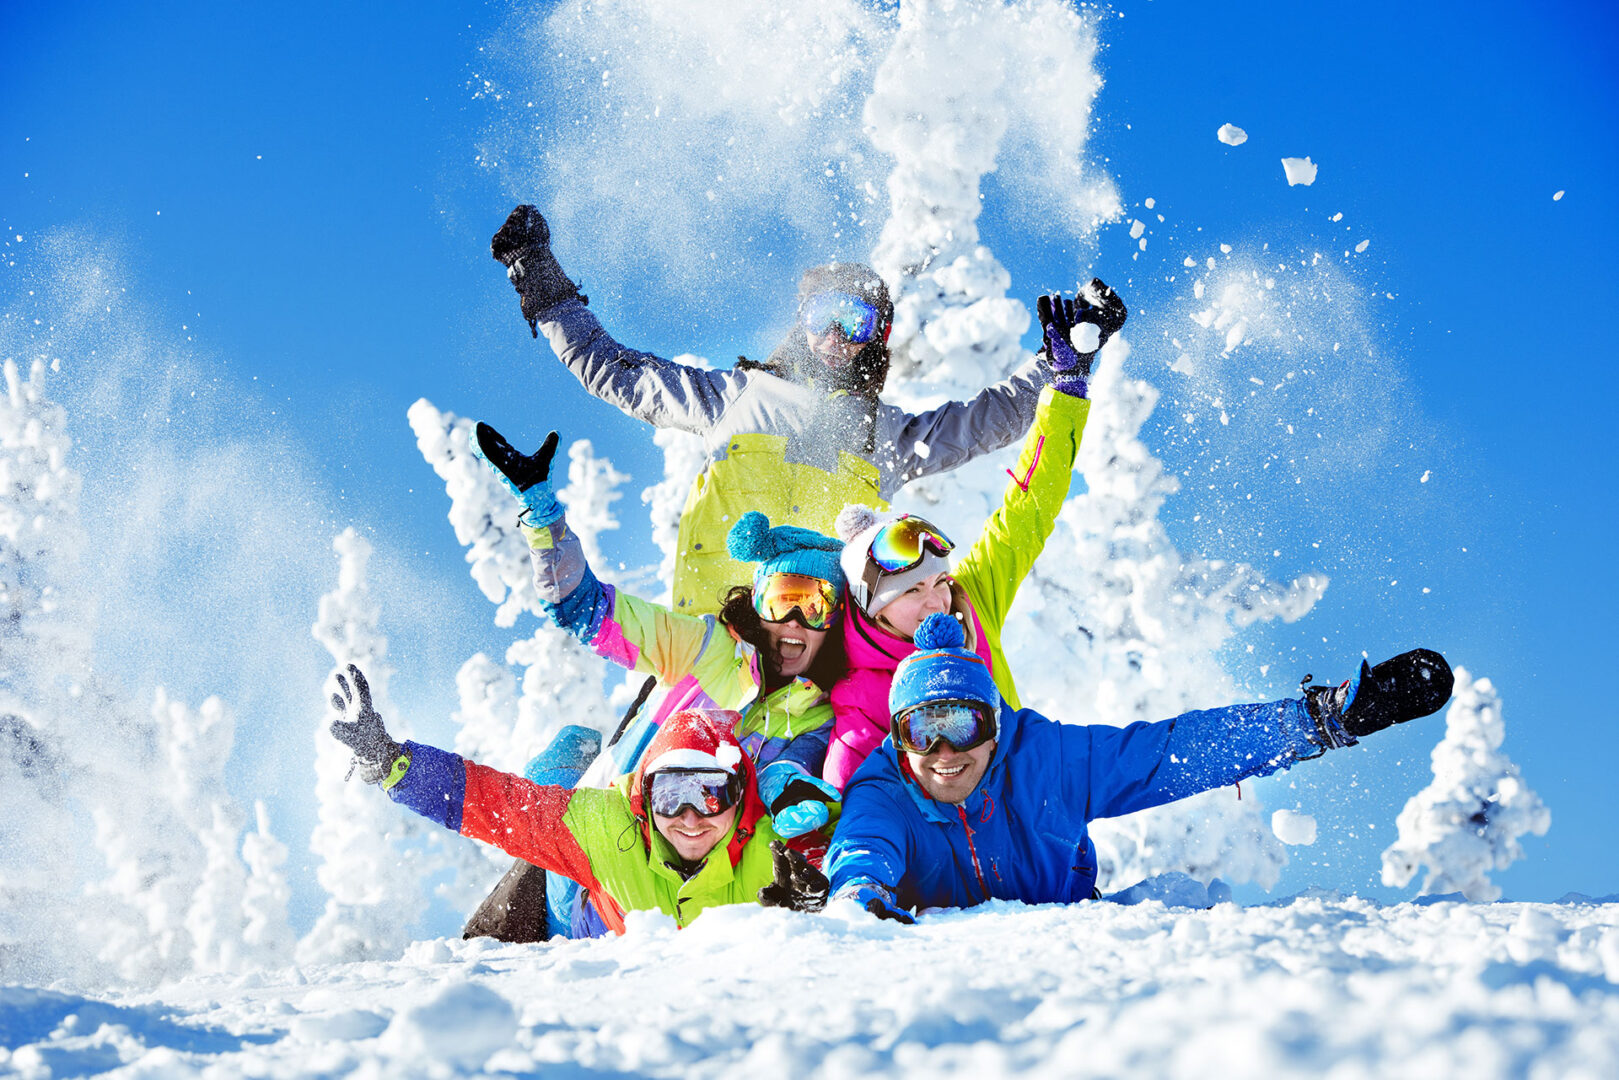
(972, 851)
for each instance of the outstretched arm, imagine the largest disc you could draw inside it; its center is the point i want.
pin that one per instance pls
(522, 818)
(627, 630)
(994, 567)
(1074, 332)
(958, 431)
(1114, 771)
(647, 387)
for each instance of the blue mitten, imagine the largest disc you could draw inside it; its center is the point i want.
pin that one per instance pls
(526, 476)
(875, 899)
(796, 800)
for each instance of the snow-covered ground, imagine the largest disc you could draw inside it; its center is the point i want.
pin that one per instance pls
(1313, 986)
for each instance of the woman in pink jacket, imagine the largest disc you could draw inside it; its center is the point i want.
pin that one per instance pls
(897, 567)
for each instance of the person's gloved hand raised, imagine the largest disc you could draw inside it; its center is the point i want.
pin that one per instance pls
(526, 476)
(798, 885)
(379, 759)
(1095, 305)
(796, 800)
(523, 246)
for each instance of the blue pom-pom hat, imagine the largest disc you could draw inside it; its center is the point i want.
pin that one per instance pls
(785, 549)
(942, 669)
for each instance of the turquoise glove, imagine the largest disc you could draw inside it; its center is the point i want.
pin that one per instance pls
(796, 800)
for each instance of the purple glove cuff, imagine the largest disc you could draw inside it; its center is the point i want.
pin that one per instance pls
(1072, 385)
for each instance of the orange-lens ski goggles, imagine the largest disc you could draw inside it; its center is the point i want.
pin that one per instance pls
(816, 600)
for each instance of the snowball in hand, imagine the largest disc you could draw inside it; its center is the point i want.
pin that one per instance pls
(1231, 135)
(1300, 170)
(1293, 828)
(1085, 337)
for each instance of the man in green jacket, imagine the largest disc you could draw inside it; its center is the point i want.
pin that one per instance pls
(685, 832)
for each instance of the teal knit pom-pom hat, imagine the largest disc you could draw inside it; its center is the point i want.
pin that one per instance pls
(785, 549)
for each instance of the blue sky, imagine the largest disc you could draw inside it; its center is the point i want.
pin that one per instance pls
(294, 194)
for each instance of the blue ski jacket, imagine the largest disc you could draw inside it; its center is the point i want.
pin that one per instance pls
(1021, 834)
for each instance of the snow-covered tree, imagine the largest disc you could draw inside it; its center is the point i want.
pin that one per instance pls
(267, 938)
(1114, 624)
(683, 460)
(481, 510)
(562, 681)
(43, 646)
(1467, 822)
(372, 874)
(82, 771)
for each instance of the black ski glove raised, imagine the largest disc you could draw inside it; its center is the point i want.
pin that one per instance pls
(798, 885)
(523, 246)
(377, 756)
(526, 476)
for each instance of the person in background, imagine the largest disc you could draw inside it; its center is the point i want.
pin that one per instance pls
(797, 437)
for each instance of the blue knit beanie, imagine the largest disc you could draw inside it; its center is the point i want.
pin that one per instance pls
(941, 669)
(786, 549)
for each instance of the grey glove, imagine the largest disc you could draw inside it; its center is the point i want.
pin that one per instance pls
(523, 247)
(375, 754)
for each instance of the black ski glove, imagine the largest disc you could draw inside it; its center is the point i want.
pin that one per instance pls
(1070, 368)
(526, 476)
(798, 885)
(1400, 689)
(523, 246)
(375, 754)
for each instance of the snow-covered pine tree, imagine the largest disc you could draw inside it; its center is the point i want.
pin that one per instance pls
(1114, 625)
(267, 938)
(372, 873)
(39, 546)
(562, 681)
(1467, 822)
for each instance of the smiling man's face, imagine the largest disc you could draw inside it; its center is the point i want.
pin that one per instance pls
(692, 835)
(949, 775)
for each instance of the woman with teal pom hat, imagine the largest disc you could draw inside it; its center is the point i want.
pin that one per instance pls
(768, 654)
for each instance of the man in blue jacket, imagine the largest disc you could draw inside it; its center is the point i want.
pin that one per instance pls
(968, 800)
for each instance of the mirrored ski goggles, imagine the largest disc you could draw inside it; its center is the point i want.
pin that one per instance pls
(960, 724)
(855, 316)
(707, 791)
(816, 600)
(901, 543)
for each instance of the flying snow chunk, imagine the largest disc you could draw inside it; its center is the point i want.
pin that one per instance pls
(1559, 196)
(1231, 135)
(1137, 227)
(1293, 828)
(1085, 337)
(1299, 171)
(1362, 246)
